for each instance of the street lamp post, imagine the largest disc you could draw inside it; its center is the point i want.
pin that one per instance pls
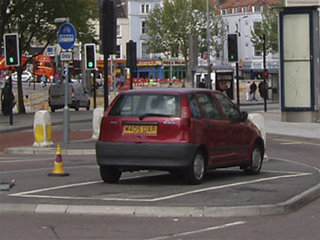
(208, 80)
(171, 49)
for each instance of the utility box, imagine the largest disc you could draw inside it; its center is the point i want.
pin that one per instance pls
(299, 64)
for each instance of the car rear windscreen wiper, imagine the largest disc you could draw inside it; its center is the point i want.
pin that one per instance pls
(153, 115)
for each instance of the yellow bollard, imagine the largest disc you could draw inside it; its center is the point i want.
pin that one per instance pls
(58, 165)
(42, 129)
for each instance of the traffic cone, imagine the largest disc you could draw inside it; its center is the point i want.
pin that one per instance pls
(58, 165)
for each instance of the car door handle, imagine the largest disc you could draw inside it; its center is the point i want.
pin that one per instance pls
(210, 125)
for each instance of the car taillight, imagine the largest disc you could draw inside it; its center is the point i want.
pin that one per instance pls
(72, 89)
(102, 129)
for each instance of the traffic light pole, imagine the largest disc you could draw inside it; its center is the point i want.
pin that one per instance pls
(106, 82)
(237, 79)
(11, 100)
(264, 76)
(94, 89)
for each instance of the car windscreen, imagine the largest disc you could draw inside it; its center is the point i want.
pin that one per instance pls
(147, 105)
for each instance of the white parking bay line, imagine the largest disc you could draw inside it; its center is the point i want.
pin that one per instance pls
(52, 188)
(32, 194)
(290, 143)
(199, 231)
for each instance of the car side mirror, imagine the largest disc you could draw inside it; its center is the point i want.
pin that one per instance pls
(244, 116)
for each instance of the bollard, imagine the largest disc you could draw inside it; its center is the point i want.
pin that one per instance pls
(258, 120)
(96, 121)
(42, 128)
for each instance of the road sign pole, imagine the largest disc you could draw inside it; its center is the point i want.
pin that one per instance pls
(66, 39)
(66, 117)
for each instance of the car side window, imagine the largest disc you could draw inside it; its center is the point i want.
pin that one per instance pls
(209, 106)
(194, 106)
(229, 109)
(123, 106)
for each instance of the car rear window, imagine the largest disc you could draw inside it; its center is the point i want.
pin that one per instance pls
(141, 104)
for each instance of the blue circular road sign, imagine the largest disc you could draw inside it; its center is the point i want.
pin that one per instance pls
(67, 36)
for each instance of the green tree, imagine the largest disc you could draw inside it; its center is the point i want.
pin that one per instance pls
(269, 27)
(33, 20)
(172, 23)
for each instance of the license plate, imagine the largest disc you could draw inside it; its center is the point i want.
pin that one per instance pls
(148, 129)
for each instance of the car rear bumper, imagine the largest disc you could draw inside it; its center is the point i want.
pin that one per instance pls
(145, 155)
(58, 105)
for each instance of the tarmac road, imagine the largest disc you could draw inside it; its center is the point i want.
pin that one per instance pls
(154, 194)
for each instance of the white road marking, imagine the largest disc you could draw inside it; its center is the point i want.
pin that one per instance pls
(27, 160)
(27, 194)
(199, 231)
(291, 143)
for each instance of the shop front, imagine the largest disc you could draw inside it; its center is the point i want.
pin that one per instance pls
(149, 69)
(176, 67)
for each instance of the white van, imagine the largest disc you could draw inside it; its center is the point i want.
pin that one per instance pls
(77, 96)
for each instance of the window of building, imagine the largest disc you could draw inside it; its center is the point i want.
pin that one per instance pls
(256, 25)
(143, 27)
(244, 9)
(256, 9)
(257, 52)
(224, 12)
(119, 35)
(235, 10)
(144, 54)
(118, 53)
(145, 8)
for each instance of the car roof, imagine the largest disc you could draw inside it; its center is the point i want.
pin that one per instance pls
(167, 90)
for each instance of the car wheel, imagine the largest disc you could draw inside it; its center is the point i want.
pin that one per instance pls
(76, 106)
(52, 109)
(110, 174)
(256, 161)
(88, 105)
(195, 173)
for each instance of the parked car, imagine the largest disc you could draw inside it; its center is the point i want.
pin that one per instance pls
(77, 96)
(179, 130)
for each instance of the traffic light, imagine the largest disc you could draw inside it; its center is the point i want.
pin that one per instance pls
(265, 74)
(131, 54)
(11, 49)
(90, 56)
(108, 26)
(232, 47)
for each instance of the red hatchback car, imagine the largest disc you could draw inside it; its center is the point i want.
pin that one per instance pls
(180, 130)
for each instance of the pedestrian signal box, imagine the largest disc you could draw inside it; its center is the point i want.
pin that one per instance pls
(11, 49)
(90, 56)
(232, 47)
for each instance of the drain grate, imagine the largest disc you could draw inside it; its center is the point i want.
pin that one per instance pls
(6, 186)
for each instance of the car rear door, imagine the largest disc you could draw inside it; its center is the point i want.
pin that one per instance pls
(215, 130)
(239, 134)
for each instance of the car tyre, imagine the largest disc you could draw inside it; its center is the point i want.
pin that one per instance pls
(76, 106)
(195, 173)
(53, 109)
(110, 174)
(88, 105)
(256, 161)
